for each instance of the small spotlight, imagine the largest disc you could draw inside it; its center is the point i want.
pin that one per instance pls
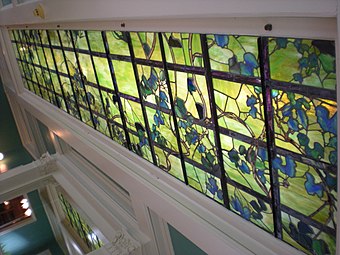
(1, 156)
(6, 202)
(28, 212)
(25, 205)
(24, 200)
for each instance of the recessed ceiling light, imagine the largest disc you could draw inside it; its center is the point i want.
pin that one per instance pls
(28, 212)
(1, 156)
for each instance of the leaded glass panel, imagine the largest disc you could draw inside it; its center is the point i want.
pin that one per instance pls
(302, 61)
(251, 122)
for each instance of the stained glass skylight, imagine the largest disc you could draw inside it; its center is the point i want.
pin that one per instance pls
(248, 121)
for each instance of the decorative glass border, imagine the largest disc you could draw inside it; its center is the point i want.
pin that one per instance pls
(83, 230)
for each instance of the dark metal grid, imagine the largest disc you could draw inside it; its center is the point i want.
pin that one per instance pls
(35, 47)
(22, 63)
(99, 88)
(270, 134)
(23, 57)
(214, 118)
(146, 121)
(116, 91)
(29, 58)
(173, 112)
(57, 72)
(69, 76)
(268, 85)
(306, 90)
(82, 78)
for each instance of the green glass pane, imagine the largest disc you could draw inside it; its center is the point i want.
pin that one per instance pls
(302, 61)
(111, 106)
(60, 61)
(204, 182)
(164, 137)
(153, 86)
(49, 58)
(192, 90)
(140, 146)
(251, 208)
(118, 134)
(45, 94)
(87, 68)
(16, 49)
(125, 78)
(86, 116)
(66, 39)
(306, 126)
(307, 238)
(307, 189)
(11, 34)
(58, 91)
(43, 36)
(234, 54)
(41, 57)
(79, 39)
(31, 73)
(246, 164)
(240, 108)
(169, 162)
(71, 62)
(146, 45)
(101, 124)
(192, 108)
(117, 42)
(69, 97)
(96, 41)
(53, 37)
(183, 49)
(30, 86)
(103, 72)
(136, 127)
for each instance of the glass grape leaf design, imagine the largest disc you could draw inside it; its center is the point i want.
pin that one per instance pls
(307, 238)
(192, 109)
(136, 128)
(240, 108)
(117, 42)
(306, 126)
(246, 164)
(234, 54)
(146, 45)
(251, 208)
(183, 49)
(307, 189)
(303, 62)
(204, 182)
(155, 94)
(113, 116)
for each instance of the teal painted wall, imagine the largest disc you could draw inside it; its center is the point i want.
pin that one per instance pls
(32, 238)
(182, 245)
(10, 143)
